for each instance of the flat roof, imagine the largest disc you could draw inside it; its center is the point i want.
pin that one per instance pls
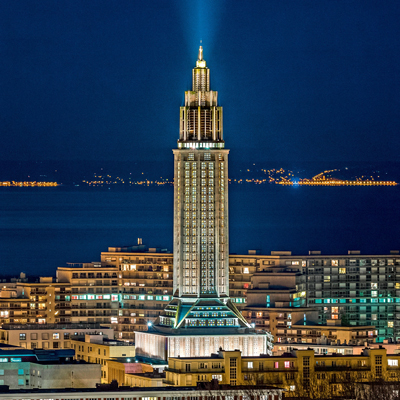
(86, 325)
(106, 391)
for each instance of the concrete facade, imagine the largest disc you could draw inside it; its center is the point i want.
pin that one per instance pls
(98, 349)
(49, 336)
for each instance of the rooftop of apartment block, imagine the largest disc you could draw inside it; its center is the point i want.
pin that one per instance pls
(138, 359)
(101, 339)
(108, 389)
(59, 326)
(18, 354)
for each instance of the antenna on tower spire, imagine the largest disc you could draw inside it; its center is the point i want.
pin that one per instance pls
(200, 57)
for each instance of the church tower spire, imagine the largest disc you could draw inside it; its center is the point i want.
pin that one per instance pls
(200, 117)
(201, 245)
(201, 317)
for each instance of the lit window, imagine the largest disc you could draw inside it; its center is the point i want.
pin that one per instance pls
(245, 270)
(393, 363)
(276, 364)
(250, 364)
(287, 364)
(56, 336)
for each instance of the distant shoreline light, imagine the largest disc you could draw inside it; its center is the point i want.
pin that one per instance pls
(337, 183)
(28, 184)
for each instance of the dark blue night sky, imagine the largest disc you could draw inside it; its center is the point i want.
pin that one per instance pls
(299, 80)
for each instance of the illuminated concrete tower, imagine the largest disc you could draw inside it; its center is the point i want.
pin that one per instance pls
(201, 318)
(201, 245)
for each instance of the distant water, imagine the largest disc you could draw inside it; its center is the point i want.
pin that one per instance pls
(43, 228)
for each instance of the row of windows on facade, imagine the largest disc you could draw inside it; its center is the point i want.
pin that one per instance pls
(192, 206)
(210, 322)
(204, 215)
(362, 262)
(207, 157)
(192, 223)
(204, 233)
(192, 166)
(204, 206)
(192, 172)
(45, 336)
(204, 199)
(204, 247)
(191, 186)
(126, 266)
(204, 224)
(92, 275)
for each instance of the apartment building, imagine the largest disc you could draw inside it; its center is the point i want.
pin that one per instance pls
(297, 371)
(357, 289)
(49, 336)
(276, 299)
(44, 301)
(130, 286)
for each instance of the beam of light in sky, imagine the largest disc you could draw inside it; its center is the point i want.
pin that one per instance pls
(200, 21)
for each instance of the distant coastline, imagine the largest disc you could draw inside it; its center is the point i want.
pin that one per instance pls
(28, 184)
(143, 174)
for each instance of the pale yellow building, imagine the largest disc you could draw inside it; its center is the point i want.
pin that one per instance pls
(48, 336)
(293, 371)
(99, 349)
(123, 369)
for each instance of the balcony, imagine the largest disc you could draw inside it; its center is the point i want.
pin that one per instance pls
(197, 370)
(340, 368)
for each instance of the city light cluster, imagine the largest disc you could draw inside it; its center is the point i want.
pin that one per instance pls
(27, 184)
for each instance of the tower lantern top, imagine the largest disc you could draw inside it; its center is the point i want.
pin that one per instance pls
(200, 63)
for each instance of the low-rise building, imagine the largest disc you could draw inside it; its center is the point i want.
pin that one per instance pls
(330, 349)
(99, 348)
(295, 371)
(145, 393)
(122, 369)
(48, 336)
(332, 333)
(28, 369)
(146, 379)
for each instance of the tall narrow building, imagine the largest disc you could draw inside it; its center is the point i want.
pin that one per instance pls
(201, 245)
(201, 318)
